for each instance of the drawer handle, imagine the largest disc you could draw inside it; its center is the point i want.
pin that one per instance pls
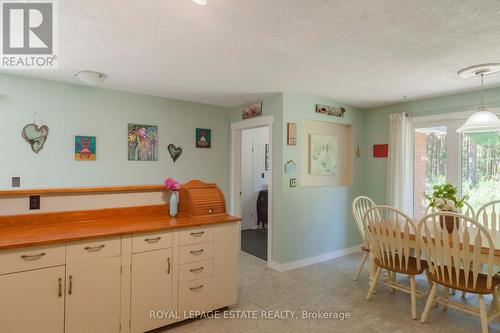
(196, 288)
(210, 211)
(60, 288)
(168, 263)
(33, 256)
(95, 248)
(70, 290)
(152, 240)
(197, 234)
(196, 270)
(197, 252)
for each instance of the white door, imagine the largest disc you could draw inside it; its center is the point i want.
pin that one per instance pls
(32, 301)
(151, 289)
(93, 296)
(246, 199)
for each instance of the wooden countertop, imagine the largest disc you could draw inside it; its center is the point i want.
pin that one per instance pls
(49, 228)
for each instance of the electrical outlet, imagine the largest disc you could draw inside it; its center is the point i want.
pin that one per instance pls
(16, 181)
(34, 202)
(293, 182)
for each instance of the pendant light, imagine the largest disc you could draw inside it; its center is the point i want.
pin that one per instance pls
(481, 120)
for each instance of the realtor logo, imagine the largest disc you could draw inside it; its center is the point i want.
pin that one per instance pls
(28, 35)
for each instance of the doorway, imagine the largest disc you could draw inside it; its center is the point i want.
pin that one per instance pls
(254, 191)
(251, 184)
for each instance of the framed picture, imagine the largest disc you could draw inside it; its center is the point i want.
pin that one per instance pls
(323, 155)
(253, 110)
(142, 142)
(85, 148)
(203, 138)
(291, 135)
(266, 157)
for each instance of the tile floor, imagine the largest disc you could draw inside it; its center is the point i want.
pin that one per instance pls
(327, 286)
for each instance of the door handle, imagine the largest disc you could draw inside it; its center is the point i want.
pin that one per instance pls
(95, 248)
(168, 263)
(33, 256)
(152, 240)
(70, 289)
(196, 270)
(196, 288)
(60, 288)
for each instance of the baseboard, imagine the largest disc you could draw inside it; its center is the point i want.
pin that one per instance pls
(313, 260)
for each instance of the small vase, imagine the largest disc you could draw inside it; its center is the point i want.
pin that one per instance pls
(449, 221)
(174, 203)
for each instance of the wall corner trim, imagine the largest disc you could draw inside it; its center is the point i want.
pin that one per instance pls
(313, 260)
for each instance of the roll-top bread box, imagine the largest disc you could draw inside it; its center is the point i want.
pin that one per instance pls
(197, 199)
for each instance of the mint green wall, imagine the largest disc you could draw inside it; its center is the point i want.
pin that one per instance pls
(272, 105)
(308, 221)
(377, 123)
(70, 110)
(317, 220)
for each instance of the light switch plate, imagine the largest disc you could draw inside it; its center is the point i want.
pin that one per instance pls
(16, 181)
(293, 182)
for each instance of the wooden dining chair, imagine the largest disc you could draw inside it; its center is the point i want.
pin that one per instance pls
(359, 207)
(457, 260)
(489, 215)
(389, 232)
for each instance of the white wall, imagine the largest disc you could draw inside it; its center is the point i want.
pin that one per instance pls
(260, 137)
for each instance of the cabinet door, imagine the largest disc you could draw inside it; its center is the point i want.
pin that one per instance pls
(151, 289)
(32, 301)
(93, 296)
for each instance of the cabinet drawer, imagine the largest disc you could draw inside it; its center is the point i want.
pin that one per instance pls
(196, 235)
(195, 296)
(196, 270)
(93, 249)
(196, 252)
(151, 241)
(25, 259)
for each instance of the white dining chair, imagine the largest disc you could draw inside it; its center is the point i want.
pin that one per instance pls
(466, 210)
(457, 261)
(389, 232)
(489, 215)
(359, 207)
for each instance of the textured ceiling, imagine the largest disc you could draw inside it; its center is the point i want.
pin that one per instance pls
(361, 52)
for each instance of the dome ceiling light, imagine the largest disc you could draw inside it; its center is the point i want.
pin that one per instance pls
(481, 120)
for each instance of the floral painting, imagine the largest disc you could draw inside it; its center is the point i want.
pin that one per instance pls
(323, 155)
(142, 142)
(85, 148)
(253, 110)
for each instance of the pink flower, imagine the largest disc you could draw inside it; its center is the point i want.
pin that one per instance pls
(172, 184)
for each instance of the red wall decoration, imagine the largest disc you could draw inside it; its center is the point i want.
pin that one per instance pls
(381, 150)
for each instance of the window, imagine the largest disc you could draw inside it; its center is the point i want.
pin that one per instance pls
(469, 161)
(481, 167)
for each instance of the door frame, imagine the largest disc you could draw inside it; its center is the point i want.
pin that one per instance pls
(235, 207)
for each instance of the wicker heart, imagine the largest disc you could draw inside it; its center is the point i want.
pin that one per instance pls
(36, 136)
(174, 151)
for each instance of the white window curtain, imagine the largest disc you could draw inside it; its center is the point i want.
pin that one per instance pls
(400, 163)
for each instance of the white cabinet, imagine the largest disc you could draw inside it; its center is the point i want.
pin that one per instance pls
(93, 296)
(32, 301)
(151, 289)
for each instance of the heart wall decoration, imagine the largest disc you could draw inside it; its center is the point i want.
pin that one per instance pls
(36, 136)
(174, 151)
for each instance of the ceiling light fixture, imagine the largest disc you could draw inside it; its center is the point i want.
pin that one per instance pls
(90, 77)
(481, 120)
(200, 2)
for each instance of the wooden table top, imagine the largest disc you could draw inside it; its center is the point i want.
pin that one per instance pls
(49, 228)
